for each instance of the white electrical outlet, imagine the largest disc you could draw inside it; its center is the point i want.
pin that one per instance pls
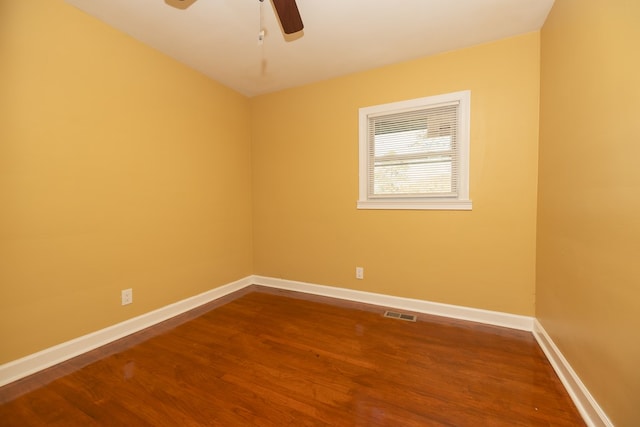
(359, 273)
(127, 296)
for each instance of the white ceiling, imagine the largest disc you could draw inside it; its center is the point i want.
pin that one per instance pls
(220, 37)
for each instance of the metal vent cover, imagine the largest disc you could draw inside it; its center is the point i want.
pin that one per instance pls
(401, 316)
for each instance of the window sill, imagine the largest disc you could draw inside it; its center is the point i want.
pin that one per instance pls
(443, 205)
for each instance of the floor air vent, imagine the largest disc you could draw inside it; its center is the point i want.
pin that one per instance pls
(401, 316)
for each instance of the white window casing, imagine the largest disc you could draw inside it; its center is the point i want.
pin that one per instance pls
(415, 154)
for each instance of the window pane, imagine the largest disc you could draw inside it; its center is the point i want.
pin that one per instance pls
(410, 142)
(415, 177)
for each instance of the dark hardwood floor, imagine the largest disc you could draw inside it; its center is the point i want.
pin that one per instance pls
(274, 358)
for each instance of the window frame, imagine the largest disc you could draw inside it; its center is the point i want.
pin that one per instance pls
(426, 202)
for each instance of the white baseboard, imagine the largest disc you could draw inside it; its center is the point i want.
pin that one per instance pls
(514, 321)
(588, 407)
(591, 412)
(33, 363)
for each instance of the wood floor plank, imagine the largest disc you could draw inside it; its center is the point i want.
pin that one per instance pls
(274, 358)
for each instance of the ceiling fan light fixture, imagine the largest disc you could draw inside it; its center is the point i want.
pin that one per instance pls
(286, 10)
(289, 15)
(180, 4)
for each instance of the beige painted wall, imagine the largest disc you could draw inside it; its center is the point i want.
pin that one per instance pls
(588, 272)
(305, 182)
(119, 168)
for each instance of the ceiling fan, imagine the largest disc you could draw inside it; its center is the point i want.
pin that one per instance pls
(287, 11)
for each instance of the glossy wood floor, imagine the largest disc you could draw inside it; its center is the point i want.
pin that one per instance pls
(274, 358)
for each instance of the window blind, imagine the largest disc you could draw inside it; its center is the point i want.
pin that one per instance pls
(413, 153)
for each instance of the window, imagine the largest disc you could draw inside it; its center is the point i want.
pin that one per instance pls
(415, 154)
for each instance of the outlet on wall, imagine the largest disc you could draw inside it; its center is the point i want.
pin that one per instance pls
(359, 273)
(127, 296)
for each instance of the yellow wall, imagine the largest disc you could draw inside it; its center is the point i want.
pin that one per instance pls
(588, 273)
(119, 168)
(305, 183)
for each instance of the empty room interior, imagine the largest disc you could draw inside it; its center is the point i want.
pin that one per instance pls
(126, 168)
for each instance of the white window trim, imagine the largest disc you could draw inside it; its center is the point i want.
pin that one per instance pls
(462, 201)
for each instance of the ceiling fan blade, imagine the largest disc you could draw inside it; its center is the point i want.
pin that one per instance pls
(289, 15)
(180, 4)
